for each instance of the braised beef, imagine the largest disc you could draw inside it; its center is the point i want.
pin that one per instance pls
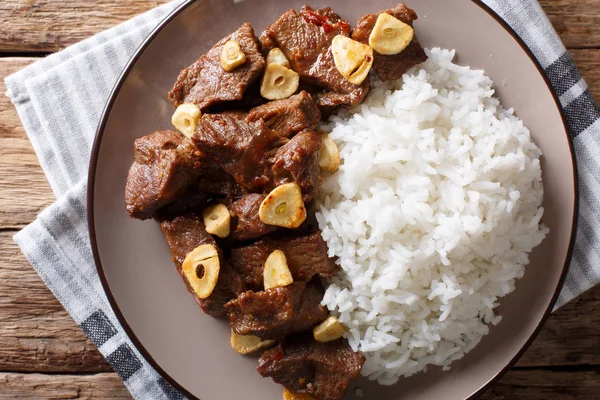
(276, 312)
(236, 145)
(298, 161)
(289, 116)
(165, 165)
(184, 234)
(303, 365)
(306, 257)
(193, 200)
(206, 83)
(215, 181)
(391, 67)
(305, 39)
(245, 223)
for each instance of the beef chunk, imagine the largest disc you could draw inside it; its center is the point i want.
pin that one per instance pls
(391, 67)
(216, 182)
(305, 39)
(306, 257)
(298, 161)
(245, 223)
(206, 83)
(184, 234)
(236, 145)
(278, 312)
(288, 116)
(304, 365)
(165, 164)
(192, 201)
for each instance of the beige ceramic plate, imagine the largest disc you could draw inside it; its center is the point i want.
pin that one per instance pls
(191, 349)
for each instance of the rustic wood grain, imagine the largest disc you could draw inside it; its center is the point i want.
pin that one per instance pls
(37, 387)
(529, 385)
(546, 385)
(36, 333)
(570, 336)
(576, 21)
(48, 25)
(24, 191)
(38, 336)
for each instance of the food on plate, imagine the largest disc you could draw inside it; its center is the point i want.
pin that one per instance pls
(361, 223)
(184, 234)
(287, 395)
(201, 269)
(217, 220)
(389, 67)
(278, 82)
(328, 330)
(306, 257)
(232, 56)
(276, 56)
(352, 59)
(247, 344)
(290, 116)
(278, 312)
(276, 272)
(305, 39)
(390, 35)
(246, 224)
(305, 366)
(283, 207)
(206, 83)
(432, 216)
(185, 118)
(330, 156)
(166, 164)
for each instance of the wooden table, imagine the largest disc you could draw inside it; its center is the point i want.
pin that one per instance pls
(43, 354)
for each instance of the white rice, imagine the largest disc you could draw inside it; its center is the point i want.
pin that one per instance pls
(432, 214)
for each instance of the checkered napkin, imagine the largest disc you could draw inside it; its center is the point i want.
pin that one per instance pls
(60, 100)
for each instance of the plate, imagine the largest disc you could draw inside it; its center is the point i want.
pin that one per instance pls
(190, 349)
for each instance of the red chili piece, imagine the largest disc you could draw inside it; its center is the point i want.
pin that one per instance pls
(319, 20)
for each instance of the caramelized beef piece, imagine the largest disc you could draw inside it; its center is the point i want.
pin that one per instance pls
(278, 312)
(165, 164)
(298, 161)
(216, 182)
(306, 257)
(305, 39)
(304, 365)
(184, 234)
(206, 83)
(236, 145)
(245, 223)
(391, 67)
(288, 116)
(193, 200)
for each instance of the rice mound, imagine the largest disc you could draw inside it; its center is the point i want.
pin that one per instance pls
(432, 215)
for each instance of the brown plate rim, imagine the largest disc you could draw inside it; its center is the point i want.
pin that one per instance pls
(92, 177)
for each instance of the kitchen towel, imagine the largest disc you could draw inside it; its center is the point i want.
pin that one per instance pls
(60, 100)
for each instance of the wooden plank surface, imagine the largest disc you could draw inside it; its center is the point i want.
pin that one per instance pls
(24, 191)
(103, 386)
(37, 334)
(528, 385)
(49, 25)
(44, 355)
